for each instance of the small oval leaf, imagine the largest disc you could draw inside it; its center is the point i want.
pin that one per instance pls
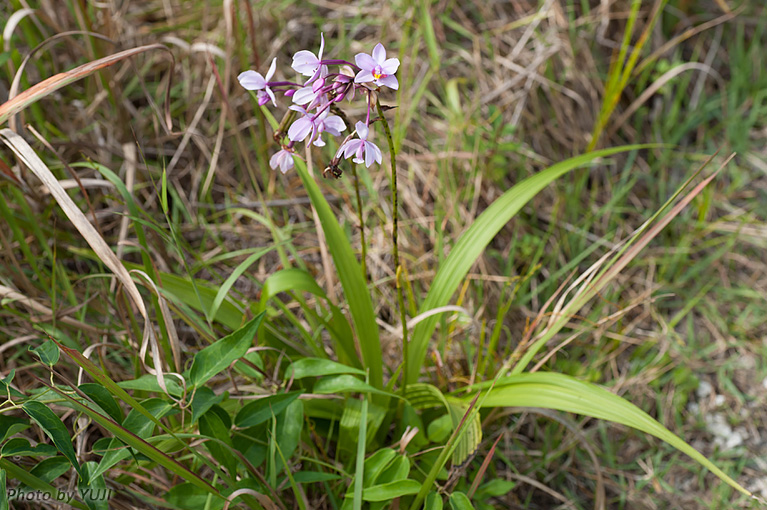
(389, 491)
(53, 428)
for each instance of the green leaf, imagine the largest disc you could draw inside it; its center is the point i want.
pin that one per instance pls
(21, 447)
(94, 492)
(433, 502)
(10, 425)
(190, 497)
(289, 280)
(351, 277)
(223, 291)
(469, 441)
(138, 424)
(389, 491)
(495, 488)
(376, 463)
(422, 396)
(565, 393)
(148, 382)
(289, 427)
(460, 501)
(141, 445)
(5, 389)
(204, 399)
(48, 352)
(212, 425)
(219, 355)
(440, 429)
(262, 409)
(474, 241)
(51, 468)
(347, 384)
(314, 476)
(53, 428)
(316, 367)
(101, 396)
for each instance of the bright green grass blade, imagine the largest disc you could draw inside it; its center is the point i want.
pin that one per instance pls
(565, 393)
(223, 291)
(473, 242)
(350, 275)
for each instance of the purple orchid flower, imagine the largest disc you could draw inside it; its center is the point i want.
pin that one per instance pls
(332, 124)
(313, 125)
(283, 160)
(377, 68)
(252, 80)
(312, 94)
(308, 64)
(360, 147)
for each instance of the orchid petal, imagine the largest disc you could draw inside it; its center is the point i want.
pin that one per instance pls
(364, 77)
(303, 95)
(362, 130)
(300, 129)
(305, 62)
(390, 66)
(271, 96)
(251, 80)
(365, 61)
(388, 81)
(334, 125)
(271, 70)
(379, 53)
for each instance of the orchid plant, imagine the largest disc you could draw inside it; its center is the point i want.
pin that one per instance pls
(316, 101)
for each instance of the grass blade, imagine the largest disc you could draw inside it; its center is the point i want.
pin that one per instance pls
(473, 242)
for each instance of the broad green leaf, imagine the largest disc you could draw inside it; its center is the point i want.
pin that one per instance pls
(351, 277)
(289, 427)
(94, 492)
(141, 445)
(219, 355)
(376, 463)
(204, 399)
(148, 382)
(474, 241)
(495, 488)
(213, 425)
(48, 352)
(137, 424)
(422, 396)
(262, 409)
(469, 441)
(389, 491)
(289, 280)
(190, 497)
(440, 429)
(346, 384)
(460, 501)
(433, 502)
(10, 425)
(5, 389)
(21, 447)
(316, 367)
(53, 428)
(51, 468)
(565, 393)
(101, 396)
(314, 476)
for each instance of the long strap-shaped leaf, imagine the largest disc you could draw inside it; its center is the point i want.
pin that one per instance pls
(474, 241)
(350, 275)
(565, 393)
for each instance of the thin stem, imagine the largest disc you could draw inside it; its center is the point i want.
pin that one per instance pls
(395, 247)
(362, 225)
